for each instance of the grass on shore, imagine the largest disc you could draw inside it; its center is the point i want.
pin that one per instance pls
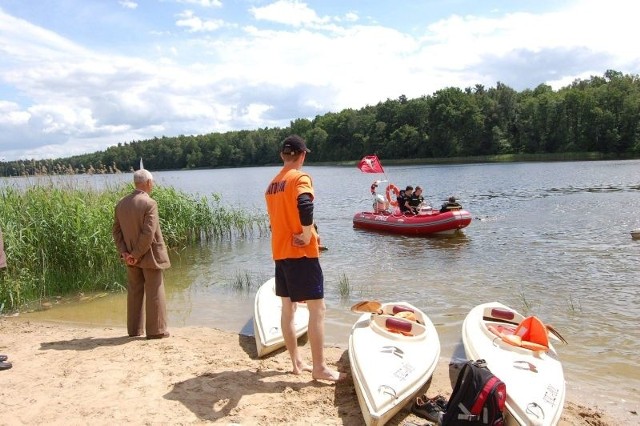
(58, 238)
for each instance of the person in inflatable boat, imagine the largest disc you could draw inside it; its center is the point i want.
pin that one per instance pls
(403, 203)
(451, 204)
(380, 204)
(416, 200)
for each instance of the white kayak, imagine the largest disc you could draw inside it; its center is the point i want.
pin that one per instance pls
(390, 368)
(534, 378)
(267, 309)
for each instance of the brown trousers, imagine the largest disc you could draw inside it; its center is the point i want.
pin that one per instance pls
(148, 285)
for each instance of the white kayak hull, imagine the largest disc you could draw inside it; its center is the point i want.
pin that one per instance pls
(266, 319)
(390, 369)
(534, 379)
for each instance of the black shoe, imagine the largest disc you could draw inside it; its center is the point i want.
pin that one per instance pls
(3, 358)
(427, 409)
(5, 365)
(158, 336)
(440, 401)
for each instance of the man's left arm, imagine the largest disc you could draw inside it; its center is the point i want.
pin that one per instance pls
(305, 212)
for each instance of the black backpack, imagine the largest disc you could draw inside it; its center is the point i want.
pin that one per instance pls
(477, 399)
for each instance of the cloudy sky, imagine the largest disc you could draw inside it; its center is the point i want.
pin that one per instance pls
(77, 76)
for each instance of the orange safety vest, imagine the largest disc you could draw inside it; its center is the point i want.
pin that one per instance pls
(282, 205)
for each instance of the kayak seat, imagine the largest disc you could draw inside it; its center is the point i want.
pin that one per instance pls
(500, 330)
(406, 312)
(407, 315)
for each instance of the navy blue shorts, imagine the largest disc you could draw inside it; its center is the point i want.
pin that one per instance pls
(299, 279)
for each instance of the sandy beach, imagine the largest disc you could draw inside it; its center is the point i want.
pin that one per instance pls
(67, 374)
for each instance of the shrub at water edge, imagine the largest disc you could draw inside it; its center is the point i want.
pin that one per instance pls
(58, 239)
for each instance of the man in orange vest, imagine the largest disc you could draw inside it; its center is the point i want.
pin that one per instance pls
(295, 250)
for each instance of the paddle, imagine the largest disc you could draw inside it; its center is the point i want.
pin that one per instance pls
(556, 333)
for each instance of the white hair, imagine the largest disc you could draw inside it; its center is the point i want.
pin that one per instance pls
(142, 175)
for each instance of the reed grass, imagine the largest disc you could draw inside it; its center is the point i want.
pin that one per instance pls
(58, 237)
(344, 286)
(242, 281)
(527, 305)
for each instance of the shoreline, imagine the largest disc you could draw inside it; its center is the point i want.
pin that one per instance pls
(79, 374)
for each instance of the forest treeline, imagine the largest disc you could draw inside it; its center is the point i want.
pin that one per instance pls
(596, 115)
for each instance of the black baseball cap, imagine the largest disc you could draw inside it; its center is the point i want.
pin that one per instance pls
(293, 145)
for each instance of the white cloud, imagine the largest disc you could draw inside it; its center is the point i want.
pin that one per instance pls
(351, 17)
(195, 24)
(11, 115)
(533, 48)
(203, 3)
(290, 12)
(128, 4)
(16, 34)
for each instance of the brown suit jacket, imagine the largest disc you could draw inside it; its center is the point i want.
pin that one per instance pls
(136, 230)
(3, 256)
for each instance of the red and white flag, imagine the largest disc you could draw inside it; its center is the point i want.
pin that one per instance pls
(370, 164)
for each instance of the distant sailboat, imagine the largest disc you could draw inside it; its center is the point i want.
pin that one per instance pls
(141, 165)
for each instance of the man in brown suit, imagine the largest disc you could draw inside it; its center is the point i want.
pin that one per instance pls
(138, 238)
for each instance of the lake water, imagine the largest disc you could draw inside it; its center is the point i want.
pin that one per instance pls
(550, 239)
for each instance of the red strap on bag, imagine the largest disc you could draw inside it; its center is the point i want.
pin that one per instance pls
(484, 394)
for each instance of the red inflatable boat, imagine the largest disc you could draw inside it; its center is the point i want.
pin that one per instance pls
(427, 222)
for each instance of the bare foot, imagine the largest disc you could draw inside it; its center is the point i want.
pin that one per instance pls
(329, 375)
(300, 367)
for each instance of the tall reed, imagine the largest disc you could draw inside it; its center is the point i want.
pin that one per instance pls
(58, 237)
(243, 281)
(344, 286)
